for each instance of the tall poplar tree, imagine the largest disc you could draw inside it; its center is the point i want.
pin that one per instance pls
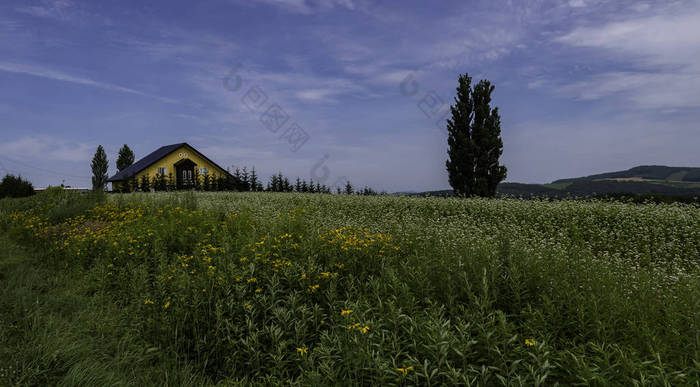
(474, 141)
(126, 158)
(99, 169)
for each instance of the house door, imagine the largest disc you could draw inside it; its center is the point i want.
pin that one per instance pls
(186, 178)
(184, 170)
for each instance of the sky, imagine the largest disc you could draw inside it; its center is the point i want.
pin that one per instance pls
(347, 89)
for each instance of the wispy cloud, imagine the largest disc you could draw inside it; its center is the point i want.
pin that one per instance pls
(9, 25)
(671, 39)
(46, 148)
(172, 43)
(316, 94)
(55, 9)
(60, 76)
(647, 90)
(307, 7)
(661, 55)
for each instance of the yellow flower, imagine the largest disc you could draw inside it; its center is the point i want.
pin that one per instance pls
(148, 301)
(247, 305)
(313, 288)
(364, 329)
(325, 274)
(302, 351)
(258, 290)
(345, 312)
(251, 280)
(404, 370)
(353, 326)
(167, 304)
(529, 342)
(303, 275)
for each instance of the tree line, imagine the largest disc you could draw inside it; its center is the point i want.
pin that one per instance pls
(13, 186)
(242, 180)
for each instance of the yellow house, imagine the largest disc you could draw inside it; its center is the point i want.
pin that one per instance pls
(181, 162)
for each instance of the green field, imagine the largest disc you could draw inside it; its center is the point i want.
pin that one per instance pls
(304, 289)
(557, 185)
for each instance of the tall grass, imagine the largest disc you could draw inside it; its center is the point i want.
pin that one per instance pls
(321, 289)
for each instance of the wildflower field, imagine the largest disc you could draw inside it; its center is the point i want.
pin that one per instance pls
(302, 289)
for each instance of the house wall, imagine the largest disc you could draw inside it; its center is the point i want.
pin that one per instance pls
(169, 163)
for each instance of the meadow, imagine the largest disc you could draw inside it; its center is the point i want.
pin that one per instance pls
(316, 289)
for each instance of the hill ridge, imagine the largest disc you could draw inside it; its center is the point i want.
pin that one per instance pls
(647, 172)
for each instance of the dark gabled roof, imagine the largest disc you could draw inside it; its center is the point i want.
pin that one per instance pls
(151, 158)
(145, 162)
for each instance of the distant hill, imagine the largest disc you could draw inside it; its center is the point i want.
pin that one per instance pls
(650, 180)
(646, 172)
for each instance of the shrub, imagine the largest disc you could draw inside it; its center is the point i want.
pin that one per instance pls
(15, 187)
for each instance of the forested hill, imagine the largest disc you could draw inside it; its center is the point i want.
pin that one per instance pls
(645, 172)
(643, 180)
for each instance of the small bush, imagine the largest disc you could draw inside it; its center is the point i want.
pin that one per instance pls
(15, 187)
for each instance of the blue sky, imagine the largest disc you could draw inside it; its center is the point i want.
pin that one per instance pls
(583, 86)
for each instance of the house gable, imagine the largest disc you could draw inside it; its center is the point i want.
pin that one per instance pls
(166, 157)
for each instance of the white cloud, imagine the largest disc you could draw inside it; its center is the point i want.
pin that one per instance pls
(658, 40)
(307, 7)
(379, 72)
(316, 94)
(644, 89)
(170, 42)
(56, 9)
(7, 25)
(641, 7)
(396, 76)
(661, 51)
(46, 148)
(60, 76)
(284, 88)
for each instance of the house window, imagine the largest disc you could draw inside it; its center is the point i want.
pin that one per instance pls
(203, 171)
(162, 170)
